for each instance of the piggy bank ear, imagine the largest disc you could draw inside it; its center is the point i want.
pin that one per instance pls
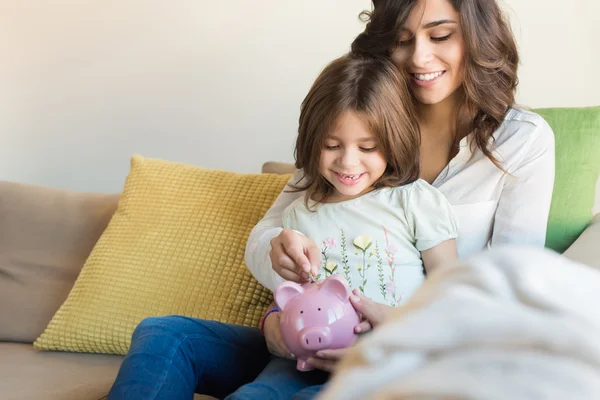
(286, 291)
(337, 285)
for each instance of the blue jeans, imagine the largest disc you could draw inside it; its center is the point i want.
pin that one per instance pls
(174, 357)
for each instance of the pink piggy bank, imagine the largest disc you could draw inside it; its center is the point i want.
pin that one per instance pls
(316, 316)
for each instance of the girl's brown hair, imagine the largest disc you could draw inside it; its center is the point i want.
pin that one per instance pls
(490, 68)
(373, 88)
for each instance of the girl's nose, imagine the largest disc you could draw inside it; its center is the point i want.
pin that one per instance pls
(349, 158)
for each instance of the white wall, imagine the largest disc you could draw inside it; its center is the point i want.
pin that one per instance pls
(84, 84)
(560, 51)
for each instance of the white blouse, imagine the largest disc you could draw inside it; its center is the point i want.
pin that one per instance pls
(492, 206)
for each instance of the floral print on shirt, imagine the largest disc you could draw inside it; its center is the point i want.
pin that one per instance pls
(369, 253)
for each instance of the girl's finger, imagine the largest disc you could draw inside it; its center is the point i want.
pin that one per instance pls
(332, 354)
(364, 326)
(322, 364)
(292, 247)
(313, 253)
(361, 303)
(280, 260)
(285, 352)
(292, 276)
(373, 312)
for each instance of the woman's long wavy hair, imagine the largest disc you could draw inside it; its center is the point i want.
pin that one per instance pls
(374, 89)
(490, 67)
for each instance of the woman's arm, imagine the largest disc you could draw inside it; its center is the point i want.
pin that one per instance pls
(524, 205)
(289, 248)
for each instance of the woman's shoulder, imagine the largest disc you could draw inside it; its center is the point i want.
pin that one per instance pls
(517, 114)
(524, 135)
(524, 126)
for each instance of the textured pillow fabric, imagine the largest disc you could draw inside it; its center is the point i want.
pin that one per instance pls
(175, 245)
(577, 134)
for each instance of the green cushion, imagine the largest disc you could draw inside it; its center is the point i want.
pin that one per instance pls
(577, 135)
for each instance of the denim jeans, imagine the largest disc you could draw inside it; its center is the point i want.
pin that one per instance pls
(174, 357)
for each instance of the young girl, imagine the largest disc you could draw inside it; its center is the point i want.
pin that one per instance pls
(378, 225)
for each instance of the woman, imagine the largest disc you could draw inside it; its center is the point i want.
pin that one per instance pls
(494, 163)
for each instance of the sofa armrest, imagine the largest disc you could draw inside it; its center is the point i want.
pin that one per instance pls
(586, 248)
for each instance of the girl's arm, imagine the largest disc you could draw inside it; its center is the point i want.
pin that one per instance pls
(436, 256)
(271, 327)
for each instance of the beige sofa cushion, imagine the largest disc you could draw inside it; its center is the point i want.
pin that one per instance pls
(26, 373)
(45, 238)
(586, 248)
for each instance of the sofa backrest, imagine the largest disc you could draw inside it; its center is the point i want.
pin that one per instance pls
(45, 237)
(276, 167)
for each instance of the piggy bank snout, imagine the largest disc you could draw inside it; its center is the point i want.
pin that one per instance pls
(316, 338)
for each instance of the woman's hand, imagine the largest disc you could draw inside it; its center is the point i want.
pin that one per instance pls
(326, 360)
(294, 255)
(374, 314)
(272, 331)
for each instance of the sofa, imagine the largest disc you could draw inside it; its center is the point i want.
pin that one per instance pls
(46, 235)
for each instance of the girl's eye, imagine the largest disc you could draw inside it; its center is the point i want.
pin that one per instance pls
(331, 147)
(368, 149)
(441, 38)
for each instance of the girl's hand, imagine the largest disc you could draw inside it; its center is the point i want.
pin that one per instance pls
(272, 331)
(294, 255)
(374, 313)
(326, 360)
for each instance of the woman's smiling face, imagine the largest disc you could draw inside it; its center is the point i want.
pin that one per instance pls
(431, 49)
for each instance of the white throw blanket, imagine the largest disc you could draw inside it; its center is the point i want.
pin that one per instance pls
(507, 324)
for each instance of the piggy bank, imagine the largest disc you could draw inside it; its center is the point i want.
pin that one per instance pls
(316, 316)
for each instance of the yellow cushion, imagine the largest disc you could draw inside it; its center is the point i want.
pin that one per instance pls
(175, 245)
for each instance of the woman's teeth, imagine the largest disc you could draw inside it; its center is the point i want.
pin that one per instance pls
(428, 77)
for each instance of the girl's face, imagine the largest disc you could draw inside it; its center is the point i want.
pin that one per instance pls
(351, 159)
(431, 49)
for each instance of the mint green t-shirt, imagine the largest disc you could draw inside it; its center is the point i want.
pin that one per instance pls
(375, 240)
